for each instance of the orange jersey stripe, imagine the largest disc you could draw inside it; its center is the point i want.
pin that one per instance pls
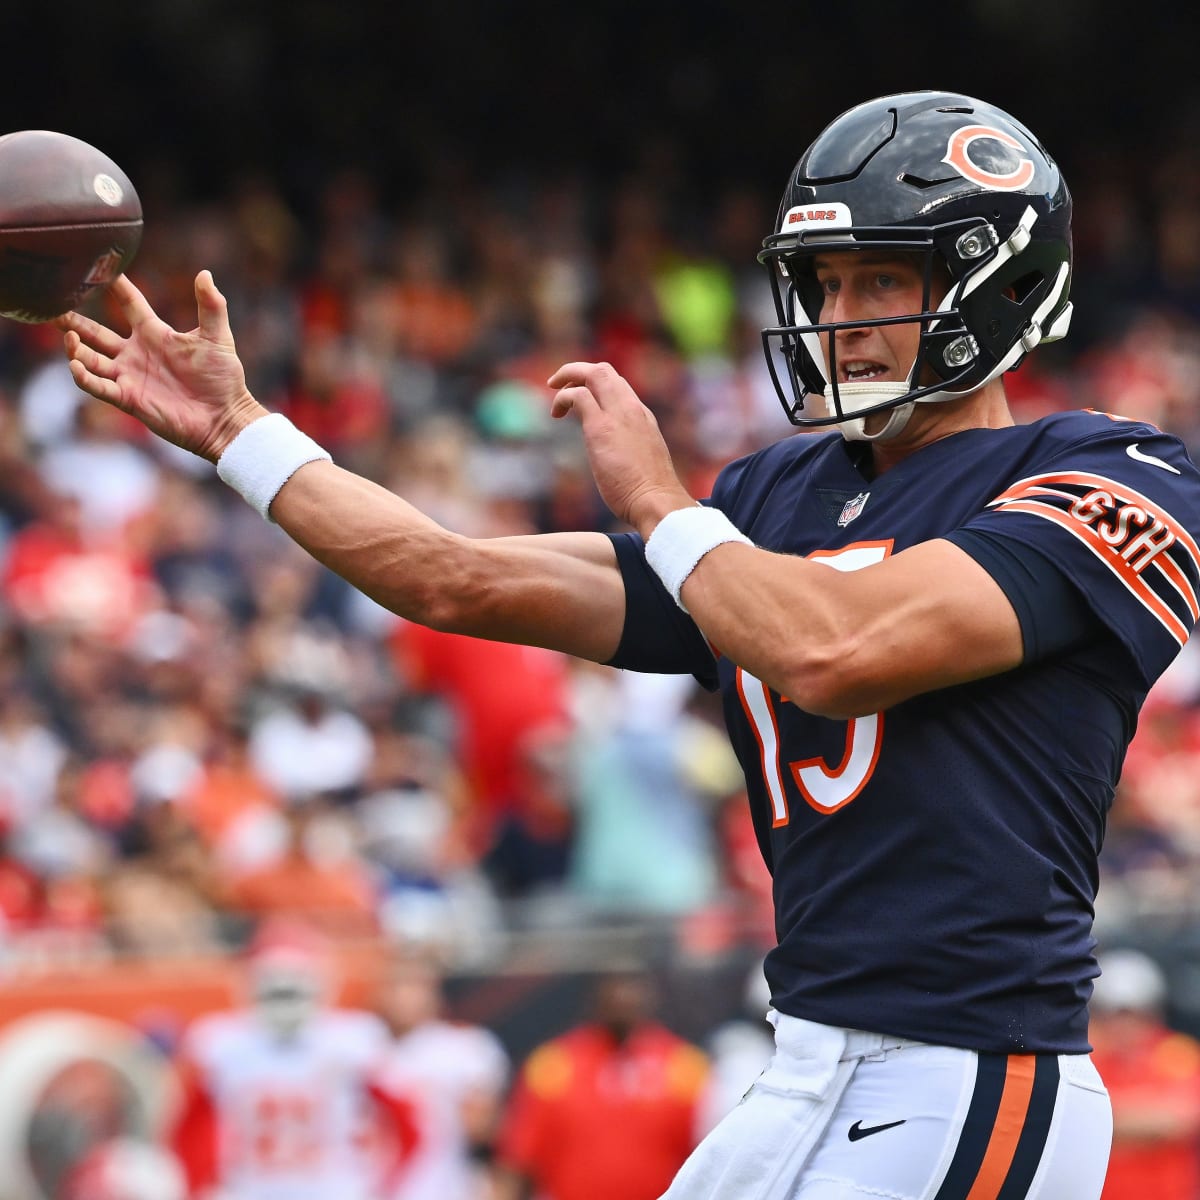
(1179, 581)
(1035, 483)
(1137, 587)
(1006, 1132)
(1169, 568)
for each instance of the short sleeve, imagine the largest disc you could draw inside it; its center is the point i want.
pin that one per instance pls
(1053, 616)
(658, 636)
(1118, 514)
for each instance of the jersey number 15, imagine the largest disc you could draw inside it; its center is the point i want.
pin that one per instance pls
(825, 788)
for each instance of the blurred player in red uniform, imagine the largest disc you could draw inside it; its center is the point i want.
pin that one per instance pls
(451, 1077)
(609, 1109)
(1153, 1076)
(280, 1101)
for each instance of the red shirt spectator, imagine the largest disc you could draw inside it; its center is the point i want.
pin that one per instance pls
(20, 894)
(608, 1109)
(53, 573)
(500, 695)
(1153, 1077)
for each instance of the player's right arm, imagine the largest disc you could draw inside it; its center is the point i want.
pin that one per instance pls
(193, 1131)
(560, 591)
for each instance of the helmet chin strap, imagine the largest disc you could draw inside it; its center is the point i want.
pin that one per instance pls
(868, 395)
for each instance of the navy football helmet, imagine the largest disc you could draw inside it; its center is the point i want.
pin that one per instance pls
(955, 181)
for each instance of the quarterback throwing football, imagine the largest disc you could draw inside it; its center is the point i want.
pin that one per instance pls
(932, 629)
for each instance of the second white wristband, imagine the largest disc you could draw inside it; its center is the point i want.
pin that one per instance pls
(264, 456)
(682, 538)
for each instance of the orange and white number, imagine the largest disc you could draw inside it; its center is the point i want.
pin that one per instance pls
(826, 788)
(284, 1134)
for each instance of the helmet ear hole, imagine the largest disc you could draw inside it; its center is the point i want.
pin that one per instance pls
(1021, 289)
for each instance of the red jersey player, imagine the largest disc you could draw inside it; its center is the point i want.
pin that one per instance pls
(280, 1101)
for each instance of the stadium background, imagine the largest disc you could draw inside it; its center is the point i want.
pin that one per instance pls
(414, 209)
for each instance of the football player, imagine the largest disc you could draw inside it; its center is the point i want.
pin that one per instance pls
(932, 629)
(279, 1098)
(451, 1075)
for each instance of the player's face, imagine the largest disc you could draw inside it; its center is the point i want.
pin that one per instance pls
(863, 287)
(285, 998)
(412, 996)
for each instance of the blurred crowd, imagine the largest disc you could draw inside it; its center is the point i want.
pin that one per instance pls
(200, 727)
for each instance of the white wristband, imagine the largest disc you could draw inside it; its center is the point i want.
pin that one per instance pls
(263, 457)
(682, 538)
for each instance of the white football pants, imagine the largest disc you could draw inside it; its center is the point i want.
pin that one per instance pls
(840, 1114)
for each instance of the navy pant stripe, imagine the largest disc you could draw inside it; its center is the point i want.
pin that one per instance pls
(977, 1128)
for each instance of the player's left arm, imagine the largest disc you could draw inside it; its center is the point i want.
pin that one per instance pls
(398, 1118)
(839, 644)
(845, 643)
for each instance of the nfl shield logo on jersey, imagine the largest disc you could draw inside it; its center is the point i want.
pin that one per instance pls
(852, 508)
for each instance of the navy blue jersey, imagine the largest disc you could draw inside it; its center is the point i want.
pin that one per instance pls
(935, 865)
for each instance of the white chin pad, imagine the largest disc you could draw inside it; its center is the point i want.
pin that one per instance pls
(854, 397)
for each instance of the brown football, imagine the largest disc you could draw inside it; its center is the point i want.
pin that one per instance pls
(70, 222)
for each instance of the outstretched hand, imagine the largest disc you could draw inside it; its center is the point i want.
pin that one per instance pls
(629, 459)
(189, 388)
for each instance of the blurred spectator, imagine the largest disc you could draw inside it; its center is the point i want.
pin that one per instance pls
(47, 401)
(338, 398)
(530, 855)
(1152, 1074)
(150, 913)
(64, 850)
(58, 575)
(452, 1076)
(52, 871)
(746, 878)
(31, 755)
(498, 694)
(610, 1108)
(103, 467)
(644, 840)
(20, 889)
(318, 876)
(415, 828)
(234, 810)
(188, 551)
(432, 318)
(514, 461)
(311, 746)
(1161, 768)
(279, 1096)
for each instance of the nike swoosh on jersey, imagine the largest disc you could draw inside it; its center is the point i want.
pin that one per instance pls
(1134, 453)
(857, 1132)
